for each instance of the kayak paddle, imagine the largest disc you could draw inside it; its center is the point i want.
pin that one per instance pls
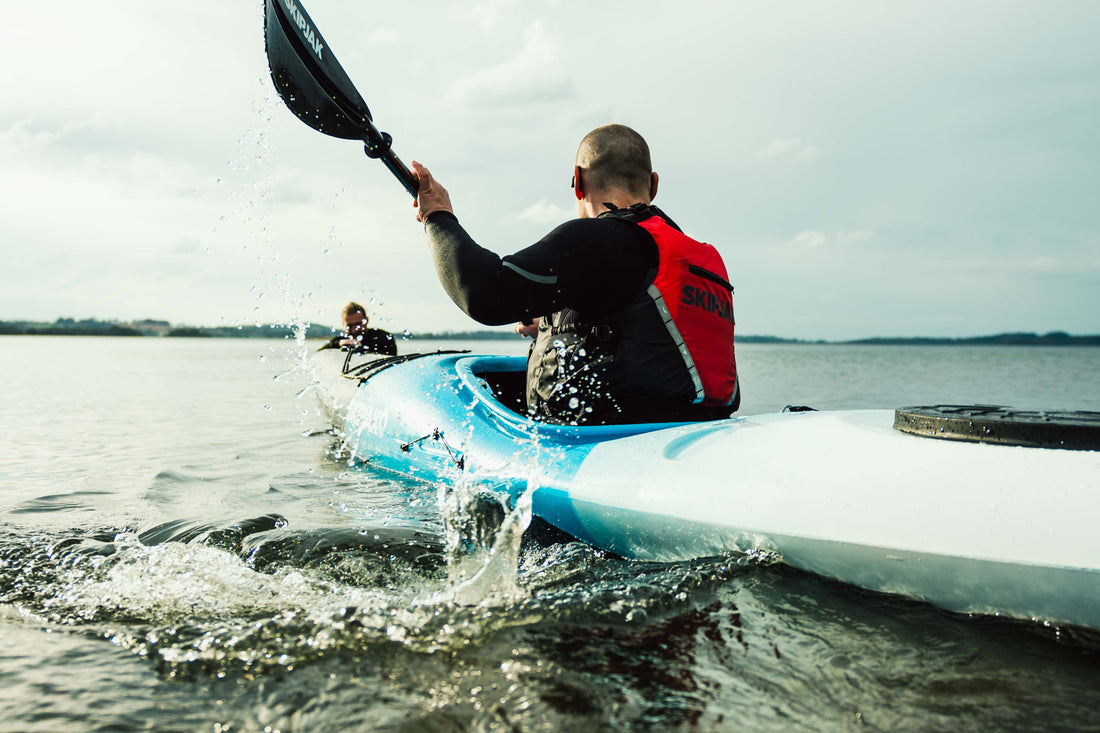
(316, 88)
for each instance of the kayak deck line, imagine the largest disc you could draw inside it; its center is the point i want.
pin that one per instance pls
(971, 527)
(361, 370)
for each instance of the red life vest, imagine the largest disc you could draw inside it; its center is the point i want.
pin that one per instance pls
(695, 298)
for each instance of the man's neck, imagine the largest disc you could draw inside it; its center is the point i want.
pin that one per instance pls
(596, 202)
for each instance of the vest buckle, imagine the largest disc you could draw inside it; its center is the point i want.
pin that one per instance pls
(602, 333)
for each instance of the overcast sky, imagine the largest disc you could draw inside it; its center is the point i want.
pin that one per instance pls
(866, 168)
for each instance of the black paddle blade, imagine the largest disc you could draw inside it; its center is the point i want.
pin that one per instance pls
(307, 75)
(316, 88)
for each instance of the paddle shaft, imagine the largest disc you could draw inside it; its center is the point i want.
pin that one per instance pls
(408, 180)
(400, 171)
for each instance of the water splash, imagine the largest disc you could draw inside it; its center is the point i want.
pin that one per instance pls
(497, 581)
(483, 538)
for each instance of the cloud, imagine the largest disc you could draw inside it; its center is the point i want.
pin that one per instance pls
(813, 238)
(789, 149)
(383, 36)
(533, 76)
(855, 237)
(1084, 265)
(484, 15)
(24, 136)
(810, 238)
(545, 212)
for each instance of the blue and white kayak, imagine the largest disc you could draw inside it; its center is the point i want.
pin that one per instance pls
(973, 527)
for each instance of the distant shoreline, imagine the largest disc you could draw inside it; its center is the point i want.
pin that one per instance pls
(1054, 338)
(164, 329)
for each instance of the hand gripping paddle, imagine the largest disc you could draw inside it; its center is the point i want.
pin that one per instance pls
(316, 88)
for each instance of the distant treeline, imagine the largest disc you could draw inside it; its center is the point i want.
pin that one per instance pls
(150, 327)
(773, 340)
(1054, 338)
(66, 327)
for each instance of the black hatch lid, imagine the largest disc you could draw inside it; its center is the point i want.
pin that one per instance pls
(1066, 429)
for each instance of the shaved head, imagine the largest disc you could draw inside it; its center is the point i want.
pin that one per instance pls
(615, 156)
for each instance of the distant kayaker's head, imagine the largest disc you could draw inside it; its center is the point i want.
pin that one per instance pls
(612, 166)
(355, 319)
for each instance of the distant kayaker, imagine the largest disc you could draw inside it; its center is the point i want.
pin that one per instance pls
(634, 318)
(357, 336)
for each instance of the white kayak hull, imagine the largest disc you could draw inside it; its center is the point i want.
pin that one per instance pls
(969, 527)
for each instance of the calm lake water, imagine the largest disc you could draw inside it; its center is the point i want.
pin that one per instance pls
(183, 548)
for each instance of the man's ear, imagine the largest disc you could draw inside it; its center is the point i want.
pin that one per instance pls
(653, 186)
(578, 188)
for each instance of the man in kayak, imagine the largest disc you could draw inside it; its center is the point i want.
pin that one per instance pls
(358, 337)
(635, 319)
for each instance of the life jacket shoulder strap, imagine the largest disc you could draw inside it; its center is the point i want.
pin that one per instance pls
(637, 214)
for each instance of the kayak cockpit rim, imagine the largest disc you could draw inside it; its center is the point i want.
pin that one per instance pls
(476, 373)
